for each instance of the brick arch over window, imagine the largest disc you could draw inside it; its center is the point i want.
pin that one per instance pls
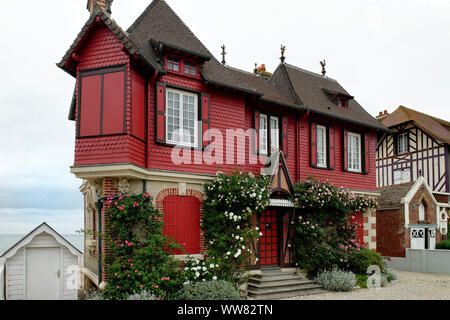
(173, 192)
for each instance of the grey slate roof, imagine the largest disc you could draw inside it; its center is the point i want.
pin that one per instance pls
(314, 91)
(160, 24)
(391, 196)
(289, 86)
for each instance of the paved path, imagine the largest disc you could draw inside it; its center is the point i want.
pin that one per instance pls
(409, 286)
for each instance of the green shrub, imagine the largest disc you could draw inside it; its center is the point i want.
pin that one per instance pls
(143, 295)
(209, 290)
(361, 280)
(337, 280)
(445, 244)
(360, 260)
(391, 274)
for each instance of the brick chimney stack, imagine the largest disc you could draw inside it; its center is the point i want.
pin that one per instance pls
(382, 114)
(105, 5)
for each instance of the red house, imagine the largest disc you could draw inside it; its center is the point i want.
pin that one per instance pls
(142, 91)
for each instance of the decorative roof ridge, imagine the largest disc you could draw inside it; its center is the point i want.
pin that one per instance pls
(309, 72)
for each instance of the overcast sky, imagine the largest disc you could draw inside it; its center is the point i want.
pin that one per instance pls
(385, 53)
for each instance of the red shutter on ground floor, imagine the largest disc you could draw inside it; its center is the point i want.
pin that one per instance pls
(205, 112)
(160, 112)
(345, 149)
(182, 222)
(313, 148)
(331, 149)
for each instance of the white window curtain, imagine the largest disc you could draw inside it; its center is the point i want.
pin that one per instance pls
(321, 146)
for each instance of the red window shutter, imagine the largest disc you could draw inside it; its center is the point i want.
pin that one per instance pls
(113, 110)
(89, 113)
(284, 135)
(256, 138)
(206, 118)
(313, 151)
(160, 112)
(138, 107)
(182, 222)
(366, 149)
(345, 149)
(331, 149)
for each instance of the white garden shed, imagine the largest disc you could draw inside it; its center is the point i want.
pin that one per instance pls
(41, 266)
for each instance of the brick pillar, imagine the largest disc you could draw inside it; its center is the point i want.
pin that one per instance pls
(370, 230)
(108, 190)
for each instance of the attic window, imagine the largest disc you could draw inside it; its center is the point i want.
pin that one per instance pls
(173, 64)
(190, 68)
(342, 102)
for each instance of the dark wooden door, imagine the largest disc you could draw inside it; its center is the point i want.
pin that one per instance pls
(268, 224)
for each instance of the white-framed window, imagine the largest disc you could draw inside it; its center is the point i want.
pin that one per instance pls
(189, 68)
(354, 152)
(321, 146)
(263, 133)
(421, 212)
(182, 115)
(402, 143)
(173, 64)
(274, 134)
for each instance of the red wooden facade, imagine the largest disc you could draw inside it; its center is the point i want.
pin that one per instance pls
(122, 116)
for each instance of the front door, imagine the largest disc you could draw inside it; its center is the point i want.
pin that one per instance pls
(268, 224)
(43, 273)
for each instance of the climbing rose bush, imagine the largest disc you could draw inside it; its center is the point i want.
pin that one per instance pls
(140, 259)
(231, 237)
(325, 227)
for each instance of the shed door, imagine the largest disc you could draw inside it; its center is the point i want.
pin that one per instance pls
(43, 273)
(417, 238)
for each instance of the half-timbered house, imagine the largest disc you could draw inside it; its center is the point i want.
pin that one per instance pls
(135, 88)
(416, 149)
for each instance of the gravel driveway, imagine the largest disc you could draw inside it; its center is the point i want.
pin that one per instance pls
(409, 286)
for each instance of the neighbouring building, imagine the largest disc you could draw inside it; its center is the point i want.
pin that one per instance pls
(414, 153)
(43, 265)
(135, 88)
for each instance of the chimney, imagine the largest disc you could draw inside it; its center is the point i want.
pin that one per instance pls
(105, 5)
(382, 114)
(261, 70)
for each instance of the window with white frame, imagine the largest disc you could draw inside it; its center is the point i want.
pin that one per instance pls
(182, 115)
(402, 143)
(321, 146)
(421, 212)
(263, 133)
(274, 134)
(354, 152)
(173, 64)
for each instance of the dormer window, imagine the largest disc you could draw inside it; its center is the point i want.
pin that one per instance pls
(342, 102)
(190, 68)
(173, 64)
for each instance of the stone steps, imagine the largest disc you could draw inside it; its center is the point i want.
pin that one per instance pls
(274, 284)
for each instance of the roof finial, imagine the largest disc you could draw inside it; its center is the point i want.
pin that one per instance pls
(256, 68)
(223, 55)
(283, 49)
(323, 64)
